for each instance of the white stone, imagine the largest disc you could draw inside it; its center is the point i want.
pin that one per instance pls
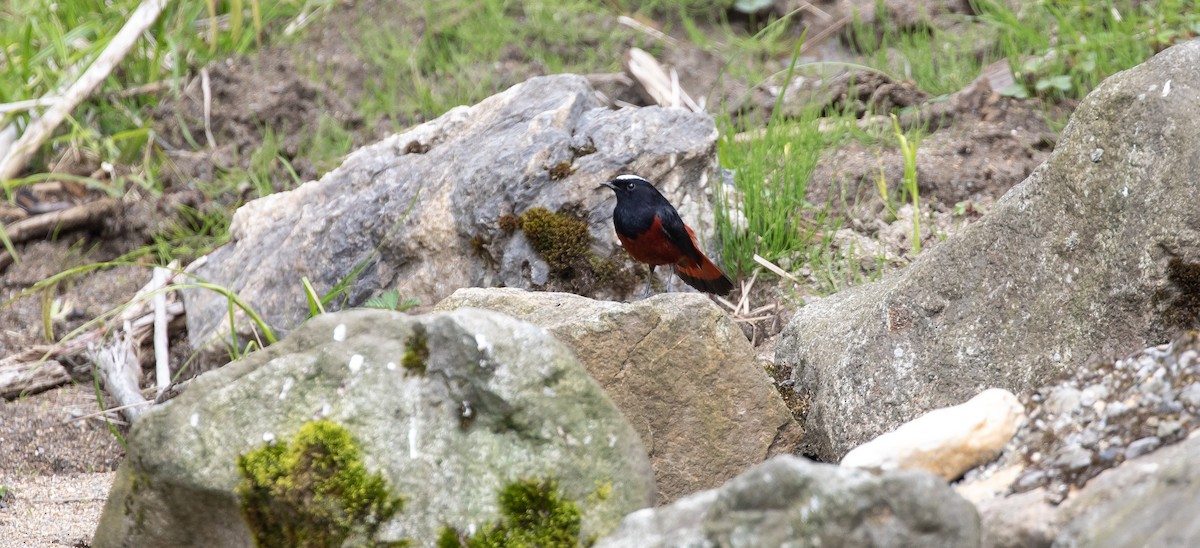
(947, 441)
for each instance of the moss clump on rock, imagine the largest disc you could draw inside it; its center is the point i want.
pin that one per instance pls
(532, 513)
(416, 351)
(314, 491)
(561, 170)
(561, 239)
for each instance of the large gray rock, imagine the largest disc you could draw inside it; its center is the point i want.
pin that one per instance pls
(498, 399)
(1097, 252)
(791, 501)
(431, 210)
(678, 368)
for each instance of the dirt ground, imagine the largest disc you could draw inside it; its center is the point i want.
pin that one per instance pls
(984, 145)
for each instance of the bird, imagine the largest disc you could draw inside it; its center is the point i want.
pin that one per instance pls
(652, 232)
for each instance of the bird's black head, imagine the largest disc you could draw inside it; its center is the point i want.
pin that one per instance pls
(632, 187)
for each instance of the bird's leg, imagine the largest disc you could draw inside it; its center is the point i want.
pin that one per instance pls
(670, 281)
(649, 282)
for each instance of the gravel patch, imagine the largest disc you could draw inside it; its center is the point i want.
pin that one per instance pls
(51, 510)
(57, 432)
(1105, 414)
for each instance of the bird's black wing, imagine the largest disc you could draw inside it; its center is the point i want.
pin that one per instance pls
(677, 232)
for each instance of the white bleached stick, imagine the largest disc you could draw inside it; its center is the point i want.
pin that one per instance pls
(41, 128)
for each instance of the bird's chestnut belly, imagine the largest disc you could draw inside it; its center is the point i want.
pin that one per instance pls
(651, 249)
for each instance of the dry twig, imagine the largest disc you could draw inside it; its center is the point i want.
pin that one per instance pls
(27, 374)
(646, 29)
(116, 360)
(89, 214)
(206, 89)
(658, 86)
(162, 364)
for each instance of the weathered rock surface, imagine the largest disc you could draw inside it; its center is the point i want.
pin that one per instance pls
(791, 501)
(946, 441)
(497, 399)
(435, 208)
(1097, 252)
(678, 368)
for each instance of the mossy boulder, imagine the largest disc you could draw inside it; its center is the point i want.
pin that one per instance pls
(492, 400)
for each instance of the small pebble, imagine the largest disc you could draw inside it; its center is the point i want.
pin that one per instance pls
(1057, 493)
(1190, 396)
(1092, 394)
(1167, 429)
(1107, 413)
(1187, 359)
(1141, 447)
(1063, 401)
(1075, 457)
(1030, 480)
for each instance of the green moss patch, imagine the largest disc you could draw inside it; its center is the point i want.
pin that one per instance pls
(416, 351)
(314, 491)
(532, 513)
(561, 239)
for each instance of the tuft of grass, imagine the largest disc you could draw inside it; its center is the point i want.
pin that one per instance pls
(327, 145)
(1062, 50)
(908, 151)
(48, 43)
(454, 60)
(192, 234)
(771, 174)
(937, 61)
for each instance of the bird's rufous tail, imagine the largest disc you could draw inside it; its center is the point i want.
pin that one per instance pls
(704, 276)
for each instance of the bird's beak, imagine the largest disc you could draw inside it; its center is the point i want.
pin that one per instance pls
(609, 185)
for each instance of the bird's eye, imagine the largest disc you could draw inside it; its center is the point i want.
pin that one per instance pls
(631, 185)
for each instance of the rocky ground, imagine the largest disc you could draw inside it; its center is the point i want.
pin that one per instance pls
(56, 454)
(1102, 416)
